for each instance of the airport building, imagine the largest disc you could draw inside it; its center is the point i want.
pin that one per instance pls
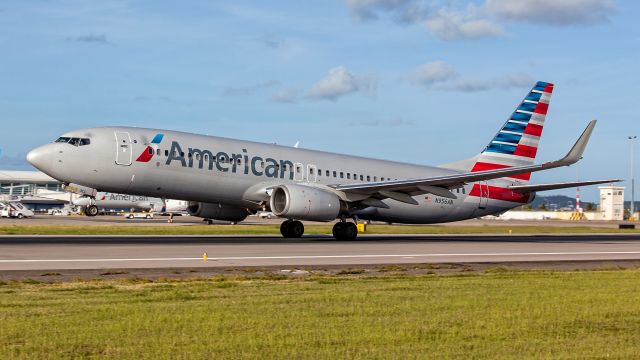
(37, 191)
(26, 182)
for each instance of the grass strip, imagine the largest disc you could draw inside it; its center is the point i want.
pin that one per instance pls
(502, 314)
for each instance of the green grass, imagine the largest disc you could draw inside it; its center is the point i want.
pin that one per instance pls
(504, 314)
(242, 229)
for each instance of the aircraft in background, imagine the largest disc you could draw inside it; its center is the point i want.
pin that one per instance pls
(228, 179)
(105, 201)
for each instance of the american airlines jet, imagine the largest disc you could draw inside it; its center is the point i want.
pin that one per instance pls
(227, 179)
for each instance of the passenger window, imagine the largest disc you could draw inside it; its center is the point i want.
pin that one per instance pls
(311, 171)
(463, 190)
(182, 153)
(360, 177)
(375, 179)
(197, 156)
(150, 151)
(381, 179)
(166, 153)
(341, 175)
(334, 174)
(239, 161)
(327, 173)
(349, 176)
(158, 152)
(206, 156)
(368, 178)
(319, 172)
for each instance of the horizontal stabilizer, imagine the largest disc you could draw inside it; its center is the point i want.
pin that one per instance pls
(554, 186)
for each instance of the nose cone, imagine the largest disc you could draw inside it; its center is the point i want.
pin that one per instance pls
(42, 158)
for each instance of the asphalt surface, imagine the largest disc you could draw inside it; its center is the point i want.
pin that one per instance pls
(108, 252)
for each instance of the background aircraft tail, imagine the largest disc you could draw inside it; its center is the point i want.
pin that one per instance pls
(516, 143)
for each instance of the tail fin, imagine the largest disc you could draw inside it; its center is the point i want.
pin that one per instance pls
(517, 141)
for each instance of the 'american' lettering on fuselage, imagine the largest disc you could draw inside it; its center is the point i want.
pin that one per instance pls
(225, 162)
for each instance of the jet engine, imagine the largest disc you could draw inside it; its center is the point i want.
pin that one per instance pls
(304, 203)
(216, 211)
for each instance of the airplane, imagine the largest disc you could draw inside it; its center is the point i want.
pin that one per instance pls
(228, 179)
(91, 205)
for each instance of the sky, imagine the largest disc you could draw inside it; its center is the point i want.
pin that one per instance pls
(420, 81)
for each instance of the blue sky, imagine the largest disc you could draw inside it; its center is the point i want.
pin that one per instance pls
(421, 81)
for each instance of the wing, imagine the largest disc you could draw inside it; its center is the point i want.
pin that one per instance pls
(544, 187)
(402, 190)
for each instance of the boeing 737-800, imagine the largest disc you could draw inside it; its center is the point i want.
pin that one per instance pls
(227, 179)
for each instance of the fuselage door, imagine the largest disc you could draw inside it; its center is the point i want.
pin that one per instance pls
(123, 148)
(312, 173)
(484, 194)
(298, 172)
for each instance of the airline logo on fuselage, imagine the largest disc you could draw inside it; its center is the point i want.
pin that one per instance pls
(230, 162)
(150, 150)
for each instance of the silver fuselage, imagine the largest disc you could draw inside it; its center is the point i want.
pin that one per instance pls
(239, 173)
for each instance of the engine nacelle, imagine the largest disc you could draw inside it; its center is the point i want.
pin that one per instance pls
(216, 211)
(304, 203)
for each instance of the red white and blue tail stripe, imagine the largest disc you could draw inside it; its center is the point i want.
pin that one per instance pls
(517, 141)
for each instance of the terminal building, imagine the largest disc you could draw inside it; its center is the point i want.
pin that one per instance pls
(37, 191)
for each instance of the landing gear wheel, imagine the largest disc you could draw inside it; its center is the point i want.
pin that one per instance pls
(345, 231)
(292, 229)
(91, 210)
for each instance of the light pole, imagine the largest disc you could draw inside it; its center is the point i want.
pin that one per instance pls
(633, 185)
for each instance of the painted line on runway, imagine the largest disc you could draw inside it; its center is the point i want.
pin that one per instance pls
(293, 257)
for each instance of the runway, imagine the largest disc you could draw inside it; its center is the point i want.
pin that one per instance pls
(100, 252)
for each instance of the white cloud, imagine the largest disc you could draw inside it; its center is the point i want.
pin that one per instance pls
(286, 96)
(433, 72)
(442, 76)
(553, 12)
(339, 82)
(457, 26)
(90, 38)
(402, 10)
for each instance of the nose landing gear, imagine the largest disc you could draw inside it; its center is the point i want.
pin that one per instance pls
(292, 229)
(91, 210)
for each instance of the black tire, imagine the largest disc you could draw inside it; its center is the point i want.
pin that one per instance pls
(345, 231)
(285, 229)
(350, 231)
(337, 230)
(20, 216)
(91, 210)
(296, 229)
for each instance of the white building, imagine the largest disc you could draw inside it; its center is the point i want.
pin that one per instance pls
(611, 202)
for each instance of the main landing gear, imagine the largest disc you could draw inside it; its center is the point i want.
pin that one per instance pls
(341, 230)
(292, 229)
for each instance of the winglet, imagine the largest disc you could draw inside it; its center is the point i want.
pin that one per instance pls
(576, 151)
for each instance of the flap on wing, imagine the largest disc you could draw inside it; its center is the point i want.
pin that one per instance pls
(554, 186)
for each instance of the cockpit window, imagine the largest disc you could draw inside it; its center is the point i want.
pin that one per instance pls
(74, 141)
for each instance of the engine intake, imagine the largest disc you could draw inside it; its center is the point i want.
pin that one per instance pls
(216, 211)
(304, 203)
